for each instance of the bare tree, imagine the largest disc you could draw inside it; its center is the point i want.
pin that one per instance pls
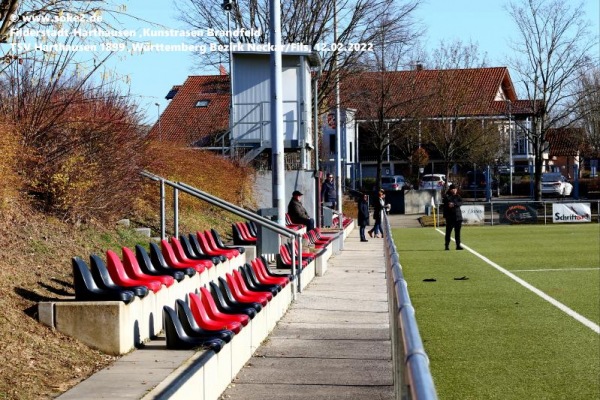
(386, 114)
(589, 110)
(449, 100)
(456, 54)
(63, 108)
(553, 49)
(306, 22)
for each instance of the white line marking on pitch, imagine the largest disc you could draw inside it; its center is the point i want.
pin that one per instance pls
(592, 325)
(556, 269)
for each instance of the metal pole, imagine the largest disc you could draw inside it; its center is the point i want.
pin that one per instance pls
(231, 105)
(277, 146)
(175, 212)
(576, 178)
(163, 234)
(297, 276)
(510, 146)
(299, 264)
(338, 131)
(316, 146)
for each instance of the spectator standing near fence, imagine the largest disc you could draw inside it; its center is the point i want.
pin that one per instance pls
(453, 216)
(363, 216)
(379, 206)
(328, 192)
(298, 213)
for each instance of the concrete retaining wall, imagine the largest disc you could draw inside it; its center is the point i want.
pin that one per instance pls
(117, 328)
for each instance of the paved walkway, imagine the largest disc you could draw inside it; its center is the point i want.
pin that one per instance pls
(333, 343)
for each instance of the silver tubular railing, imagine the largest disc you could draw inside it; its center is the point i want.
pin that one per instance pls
(291, 234)
(412, 377)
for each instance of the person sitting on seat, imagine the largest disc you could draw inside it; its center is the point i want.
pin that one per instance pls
(298, 213)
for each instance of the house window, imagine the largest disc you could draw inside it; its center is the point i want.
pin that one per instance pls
(351, 152)
(332, 144)
(202, 103)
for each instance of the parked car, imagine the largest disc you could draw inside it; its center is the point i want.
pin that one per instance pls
(433, 181)
(394, 182)
(554, 183)
(475, 185)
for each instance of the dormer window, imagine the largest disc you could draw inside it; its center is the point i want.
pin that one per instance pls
(202, 103)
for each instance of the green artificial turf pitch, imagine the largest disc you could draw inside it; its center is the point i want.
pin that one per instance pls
(488, 337)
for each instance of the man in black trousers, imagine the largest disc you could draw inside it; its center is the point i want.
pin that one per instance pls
(453, 215)
(298, 213)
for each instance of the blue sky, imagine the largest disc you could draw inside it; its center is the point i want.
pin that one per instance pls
(482, 21)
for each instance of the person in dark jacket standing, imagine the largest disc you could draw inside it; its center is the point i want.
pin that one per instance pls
(298, 213)
(328, 192)
(453, 215)
(379, 206)
(363, 216)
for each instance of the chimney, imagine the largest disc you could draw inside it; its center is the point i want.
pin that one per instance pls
(222, 70)
(419, 67)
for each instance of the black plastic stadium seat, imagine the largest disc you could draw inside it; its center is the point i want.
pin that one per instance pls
(159, 262)
(177, 339)
(86, 288)
(230, 308)
(191, 328)
(149, 268)
(104, 281)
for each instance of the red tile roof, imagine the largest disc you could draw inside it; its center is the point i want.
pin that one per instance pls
(430, 93)
(419, 93)
(565, 141)
(183, 122)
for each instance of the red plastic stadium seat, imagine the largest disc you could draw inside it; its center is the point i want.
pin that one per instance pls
(180, 255)
(240, 296)
(205, 322)
(119, 277)
(207, 249)
(215, 314)
(173, 262)
(133, 270)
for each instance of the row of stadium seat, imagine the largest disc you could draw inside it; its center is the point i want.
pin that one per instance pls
(138, 273)
(211, 317)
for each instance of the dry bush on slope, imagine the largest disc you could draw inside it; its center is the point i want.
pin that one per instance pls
(38, 362)
(9, 148)
(206, 171)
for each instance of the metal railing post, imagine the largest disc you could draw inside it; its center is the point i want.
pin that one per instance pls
(175, 212)
(295, 270)
(299, 238)
(163, 234)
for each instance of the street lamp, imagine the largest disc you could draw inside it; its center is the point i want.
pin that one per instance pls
(158, 119)
(227, 6)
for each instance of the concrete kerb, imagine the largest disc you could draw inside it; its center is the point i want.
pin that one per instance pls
(117, 328)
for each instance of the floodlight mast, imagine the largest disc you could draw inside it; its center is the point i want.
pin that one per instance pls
(227, 6)
(338, 128)
(277, 146)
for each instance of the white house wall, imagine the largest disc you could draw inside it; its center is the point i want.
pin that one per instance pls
(251, 98)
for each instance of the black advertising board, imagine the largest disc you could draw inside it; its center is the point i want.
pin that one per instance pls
(517, 213)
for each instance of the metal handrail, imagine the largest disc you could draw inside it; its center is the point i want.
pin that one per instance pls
(412, 376)
(192, 191)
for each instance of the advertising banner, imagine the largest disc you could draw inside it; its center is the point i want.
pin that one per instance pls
(518, 213)
(571, 212)
(473, 215)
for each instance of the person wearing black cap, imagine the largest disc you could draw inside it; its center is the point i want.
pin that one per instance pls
(453, 216)
(298, 213)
